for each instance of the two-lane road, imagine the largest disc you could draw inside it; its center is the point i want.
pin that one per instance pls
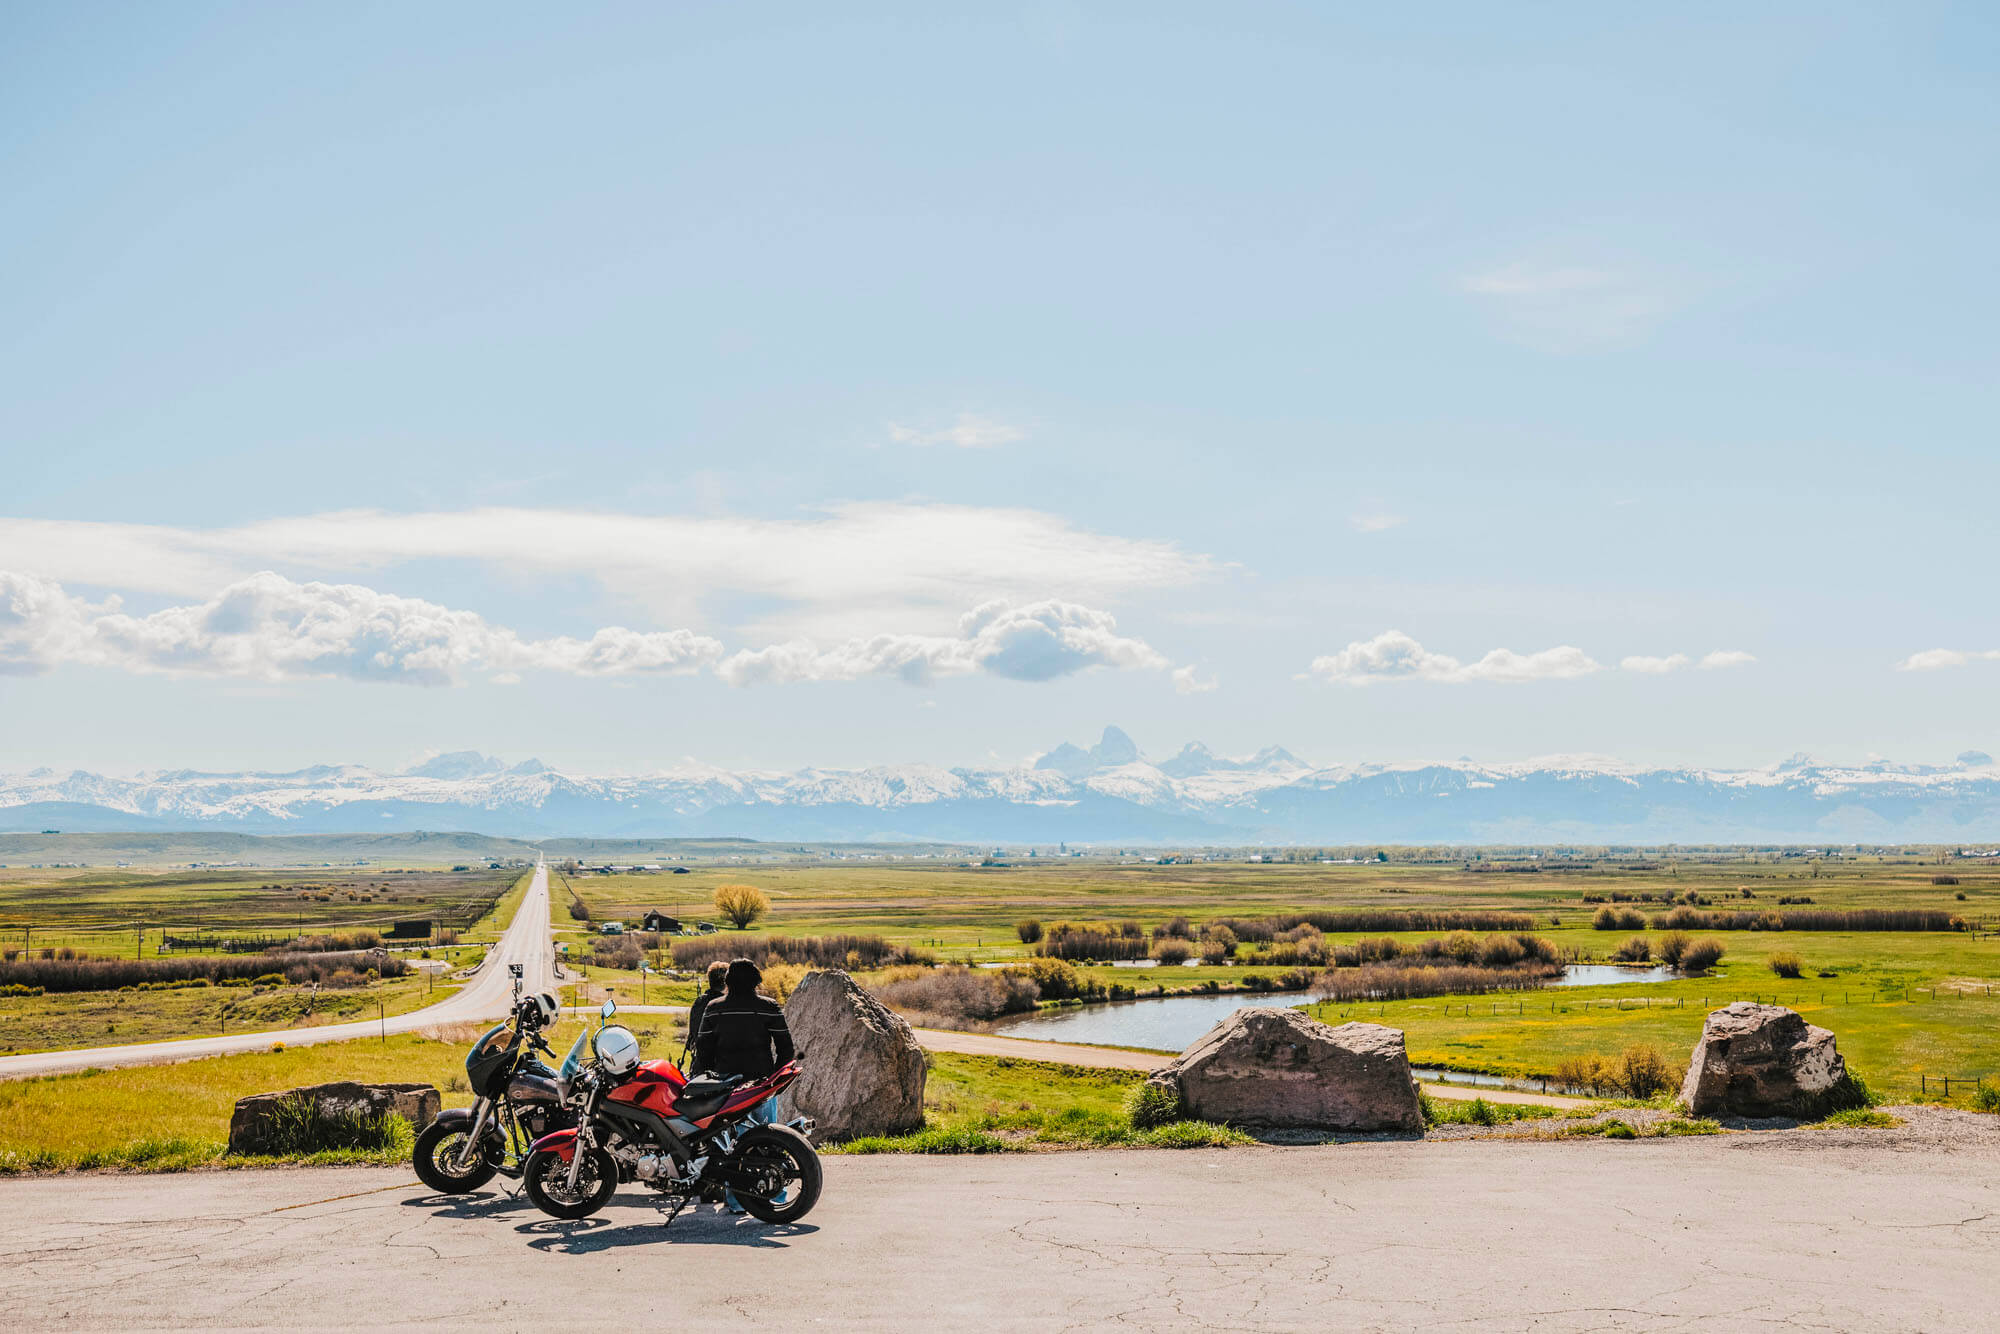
(488, 995)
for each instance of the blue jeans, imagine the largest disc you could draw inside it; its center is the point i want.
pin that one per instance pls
(764, 1113)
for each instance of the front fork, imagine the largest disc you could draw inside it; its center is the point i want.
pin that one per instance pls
(463, 1158)
(586, 1140)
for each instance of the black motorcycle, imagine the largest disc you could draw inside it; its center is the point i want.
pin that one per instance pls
(519, 1101)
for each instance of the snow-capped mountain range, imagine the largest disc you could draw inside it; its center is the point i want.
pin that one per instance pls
(1108, 792)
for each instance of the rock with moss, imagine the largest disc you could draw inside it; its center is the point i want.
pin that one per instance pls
(1277, 1069)
(862, 1070)
(1765, 1061)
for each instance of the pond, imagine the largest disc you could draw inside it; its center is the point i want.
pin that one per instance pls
(1170, 1023)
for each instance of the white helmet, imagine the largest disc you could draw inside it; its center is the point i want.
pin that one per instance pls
(617, 1050)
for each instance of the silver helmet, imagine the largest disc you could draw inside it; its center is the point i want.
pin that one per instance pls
(617, 1050)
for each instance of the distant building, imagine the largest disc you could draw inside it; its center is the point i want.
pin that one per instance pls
(655, 920)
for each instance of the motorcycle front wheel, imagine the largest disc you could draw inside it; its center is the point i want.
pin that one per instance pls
(777, 1174)
(545, 1175)
(436, 1159)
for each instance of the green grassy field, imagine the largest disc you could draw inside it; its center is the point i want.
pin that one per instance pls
(1890, 998)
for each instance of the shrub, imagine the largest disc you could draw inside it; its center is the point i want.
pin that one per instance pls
(55, 975)
(1671, 947)
(1173, 952)
(1786, 964)
(1174, 928)
(1702, 955)
(956, 994)
(741, 904)
(1055, 979)
(1944, 880)
(1083, 940)
(1636, 950)
(1587, 1072)
(621, 952)
(1029, 930)
(19, 989)
(1986, 1097)
(1609, 918)
(1410, 977)
(1960, 896)
(782, 979)
(1149, 1106)
(849, 952)
(1643, 1071)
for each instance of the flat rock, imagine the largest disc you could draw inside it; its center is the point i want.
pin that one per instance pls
(862, 1069)
(250, 1125)
(1279, 1069)
(1761, 1060)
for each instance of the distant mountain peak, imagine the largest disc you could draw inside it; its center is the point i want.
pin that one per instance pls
(1113, 749)
(457, 764)
(1974, 759)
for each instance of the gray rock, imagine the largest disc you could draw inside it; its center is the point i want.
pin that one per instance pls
(251, 1124)
(862, 1068)
(1762, 1060)
(1279, 1069)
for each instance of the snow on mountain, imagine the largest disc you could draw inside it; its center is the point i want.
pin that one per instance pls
(1107, 793)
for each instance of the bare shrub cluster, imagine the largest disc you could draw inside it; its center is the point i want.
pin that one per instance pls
(74, 974)
(835, 951)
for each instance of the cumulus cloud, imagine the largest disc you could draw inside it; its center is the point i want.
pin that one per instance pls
(1936, 659)
(271, 628)
(1036, 642)
(968, 432)
(1375, 521)
(1673, 662)
(1395, 656)
(882, 566)
(1187, 681)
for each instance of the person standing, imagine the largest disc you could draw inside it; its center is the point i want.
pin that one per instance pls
(743, 1033)
(717, 972)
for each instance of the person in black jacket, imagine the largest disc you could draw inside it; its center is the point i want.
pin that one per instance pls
(743, 1033)
(717, 971)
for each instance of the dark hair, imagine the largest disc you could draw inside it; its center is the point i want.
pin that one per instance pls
(717, 971)
(744, 976)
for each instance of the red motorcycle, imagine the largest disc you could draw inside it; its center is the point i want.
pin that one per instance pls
(645, 1121)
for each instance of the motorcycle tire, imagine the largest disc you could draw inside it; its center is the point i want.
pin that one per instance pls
(434, 1168)
(784, 1154)
(545, 1174)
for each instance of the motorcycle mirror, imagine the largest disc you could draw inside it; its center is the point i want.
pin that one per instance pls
(610, 1008)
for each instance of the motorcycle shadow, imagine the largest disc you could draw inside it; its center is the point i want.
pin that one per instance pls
(483, 1204)
(589, 1235)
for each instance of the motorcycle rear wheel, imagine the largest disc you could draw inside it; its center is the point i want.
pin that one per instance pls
(436, 1150)
(545, 1176)
(789, 1171)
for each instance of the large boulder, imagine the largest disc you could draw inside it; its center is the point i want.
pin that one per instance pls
(861, 1069)
(1762, 1060)
(1279, 1069)
(254, 1127)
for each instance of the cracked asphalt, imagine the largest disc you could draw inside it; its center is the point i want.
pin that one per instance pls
(1795, 1230)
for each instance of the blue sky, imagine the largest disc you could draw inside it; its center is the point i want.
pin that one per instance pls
(775, 387)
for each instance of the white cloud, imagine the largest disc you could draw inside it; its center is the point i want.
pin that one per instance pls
(1571, 307)
(1395, 656)
(1376, 522)
(1936, 659)
(1188, 681)
(1673, 662)
(1724, 658)
(968, 432)
(1037, 642)
(884, 566)
(268, 627)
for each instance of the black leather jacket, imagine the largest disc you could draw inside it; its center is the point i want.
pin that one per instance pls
(742, 1034)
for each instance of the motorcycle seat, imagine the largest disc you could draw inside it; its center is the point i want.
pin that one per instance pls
(703, 1098)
